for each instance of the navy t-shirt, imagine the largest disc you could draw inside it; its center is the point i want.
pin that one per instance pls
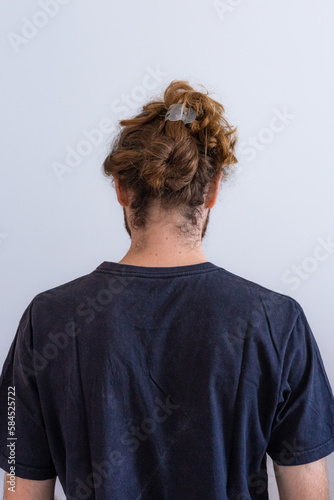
(163, 383)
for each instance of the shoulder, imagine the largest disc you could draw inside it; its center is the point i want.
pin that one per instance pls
(257, 292)
(64, 294)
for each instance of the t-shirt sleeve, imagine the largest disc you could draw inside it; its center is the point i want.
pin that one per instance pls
(24, 448)
(303, 425)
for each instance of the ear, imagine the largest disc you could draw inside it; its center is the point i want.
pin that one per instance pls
(122, 195)
(211, 197)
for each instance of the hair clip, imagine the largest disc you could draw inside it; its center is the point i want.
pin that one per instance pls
(176, 113)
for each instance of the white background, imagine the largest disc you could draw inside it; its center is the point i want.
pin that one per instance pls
(96, 60)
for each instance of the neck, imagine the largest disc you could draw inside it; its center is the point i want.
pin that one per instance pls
(163, 251)
(163, 245)
(147, 261)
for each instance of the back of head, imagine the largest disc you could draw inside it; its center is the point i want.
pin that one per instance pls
(171, 162)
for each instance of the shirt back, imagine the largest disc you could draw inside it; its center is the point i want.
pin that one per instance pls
(164, 383)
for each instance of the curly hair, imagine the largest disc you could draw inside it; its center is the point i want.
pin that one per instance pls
(171, 162)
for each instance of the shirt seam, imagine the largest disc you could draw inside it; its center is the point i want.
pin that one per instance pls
(153, 275)
(282, 366)
(295, 453)
(29, 468)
